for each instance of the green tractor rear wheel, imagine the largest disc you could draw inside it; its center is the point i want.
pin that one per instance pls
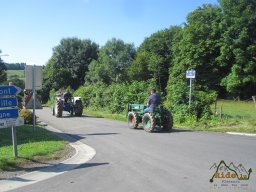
(148, 122)
(133, 120)
(167, 122)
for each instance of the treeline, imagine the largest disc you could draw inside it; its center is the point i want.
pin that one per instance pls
(218, 41)
(15, 66)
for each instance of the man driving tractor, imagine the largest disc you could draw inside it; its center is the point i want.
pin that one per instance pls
(153, 101)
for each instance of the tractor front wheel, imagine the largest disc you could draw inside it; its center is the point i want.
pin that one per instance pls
(133, 120)
(58, 108)
(148, 122)
(79, 108)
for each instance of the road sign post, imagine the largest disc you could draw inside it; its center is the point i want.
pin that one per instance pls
(9, 112)
(33, 82)
(191, 74)
(14, 142)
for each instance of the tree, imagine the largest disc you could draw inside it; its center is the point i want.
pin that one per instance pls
(114, 59)
(3, 75)
(238, 47)
(153, 58)
(198, 49)
(68, 64)
(70, 61)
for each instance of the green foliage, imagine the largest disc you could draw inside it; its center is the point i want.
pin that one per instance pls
(68, 64)
(238, 46)
(154, 56)
(16, 74)
(15, 66)
(27, 115)
(217, 41)
(111, 66)
(115, 97)
(3, 75)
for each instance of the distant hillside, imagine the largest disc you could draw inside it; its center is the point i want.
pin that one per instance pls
(15, 74)
(15, 66)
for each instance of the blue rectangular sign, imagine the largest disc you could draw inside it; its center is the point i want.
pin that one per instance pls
(8, 102)
(9, 113)
(9, 90)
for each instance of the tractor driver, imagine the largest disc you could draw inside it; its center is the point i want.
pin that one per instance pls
(67, 96)
(153, 101)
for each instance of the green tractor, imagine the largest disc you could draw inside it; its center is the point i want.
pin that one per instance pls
(160, 119)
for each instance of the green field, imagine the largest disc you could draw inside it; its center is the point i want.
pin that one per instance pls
(31, 145)
(236, 109)
(12, 74)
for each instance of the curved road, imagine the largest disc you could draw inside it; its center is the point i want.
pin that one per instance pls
(137, 161)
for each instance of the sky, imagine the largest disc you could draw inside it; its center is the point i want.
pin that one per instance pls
(30, 29)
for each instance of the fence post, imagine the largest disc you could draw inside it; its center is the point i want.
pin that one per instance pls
(254, 100)
(221, 111)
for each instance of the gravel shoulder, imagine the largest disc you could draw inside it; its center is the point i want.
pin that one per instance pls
(38, 162)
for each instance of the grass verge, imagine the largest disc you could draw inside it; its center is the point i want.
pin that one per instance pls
(236, 117)
(30, 145)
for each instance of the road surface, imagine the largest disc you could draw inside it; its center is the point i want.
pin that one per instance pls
(130, 160)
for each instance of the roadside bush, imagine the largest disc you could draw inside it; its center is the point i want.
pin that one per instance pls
(114, 97)
(178, 101)
(27, 115)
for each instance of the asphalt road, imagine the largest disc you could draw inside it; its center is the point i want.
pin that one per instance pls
(136, 161)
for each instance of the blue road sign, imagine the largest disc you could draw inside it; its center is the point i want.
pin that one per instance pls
(9, 113)
(8, 102)
(9, 90)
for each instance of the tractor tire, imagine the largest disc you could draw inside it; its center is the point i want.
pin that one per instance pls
(133, 120)
(53, 111)
(58, 109)
(79, 108)
(167, 122)
(148, 122)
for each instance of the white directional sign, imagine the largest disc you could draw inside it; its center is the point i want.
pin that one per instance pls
(11, 122)
(191, 74)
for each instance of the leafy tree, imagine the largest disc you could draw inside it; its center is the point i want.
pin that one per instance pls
(238, 47)
(15, 66)
(154, 56)
(198, 49)
(70, 61)
(68, 64)
(3, 75)
(114, 59)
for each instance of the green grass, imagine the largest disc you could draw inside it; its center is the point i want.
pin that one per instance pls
(231, 116)
(237, 109)
(15, 74)
(106, 114)
(30, 145)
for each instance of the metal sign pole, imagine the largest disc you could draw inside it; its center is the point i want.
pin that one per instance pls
(14, 142)
(34, 103)
(190, 91)
(14, 136)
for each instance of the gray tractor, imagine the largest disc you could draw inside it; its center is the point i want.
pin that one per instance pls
(67, 103)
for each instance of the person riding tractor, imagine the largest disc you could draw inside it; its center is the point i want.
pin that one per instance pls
(153, 117)
(153, 101)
